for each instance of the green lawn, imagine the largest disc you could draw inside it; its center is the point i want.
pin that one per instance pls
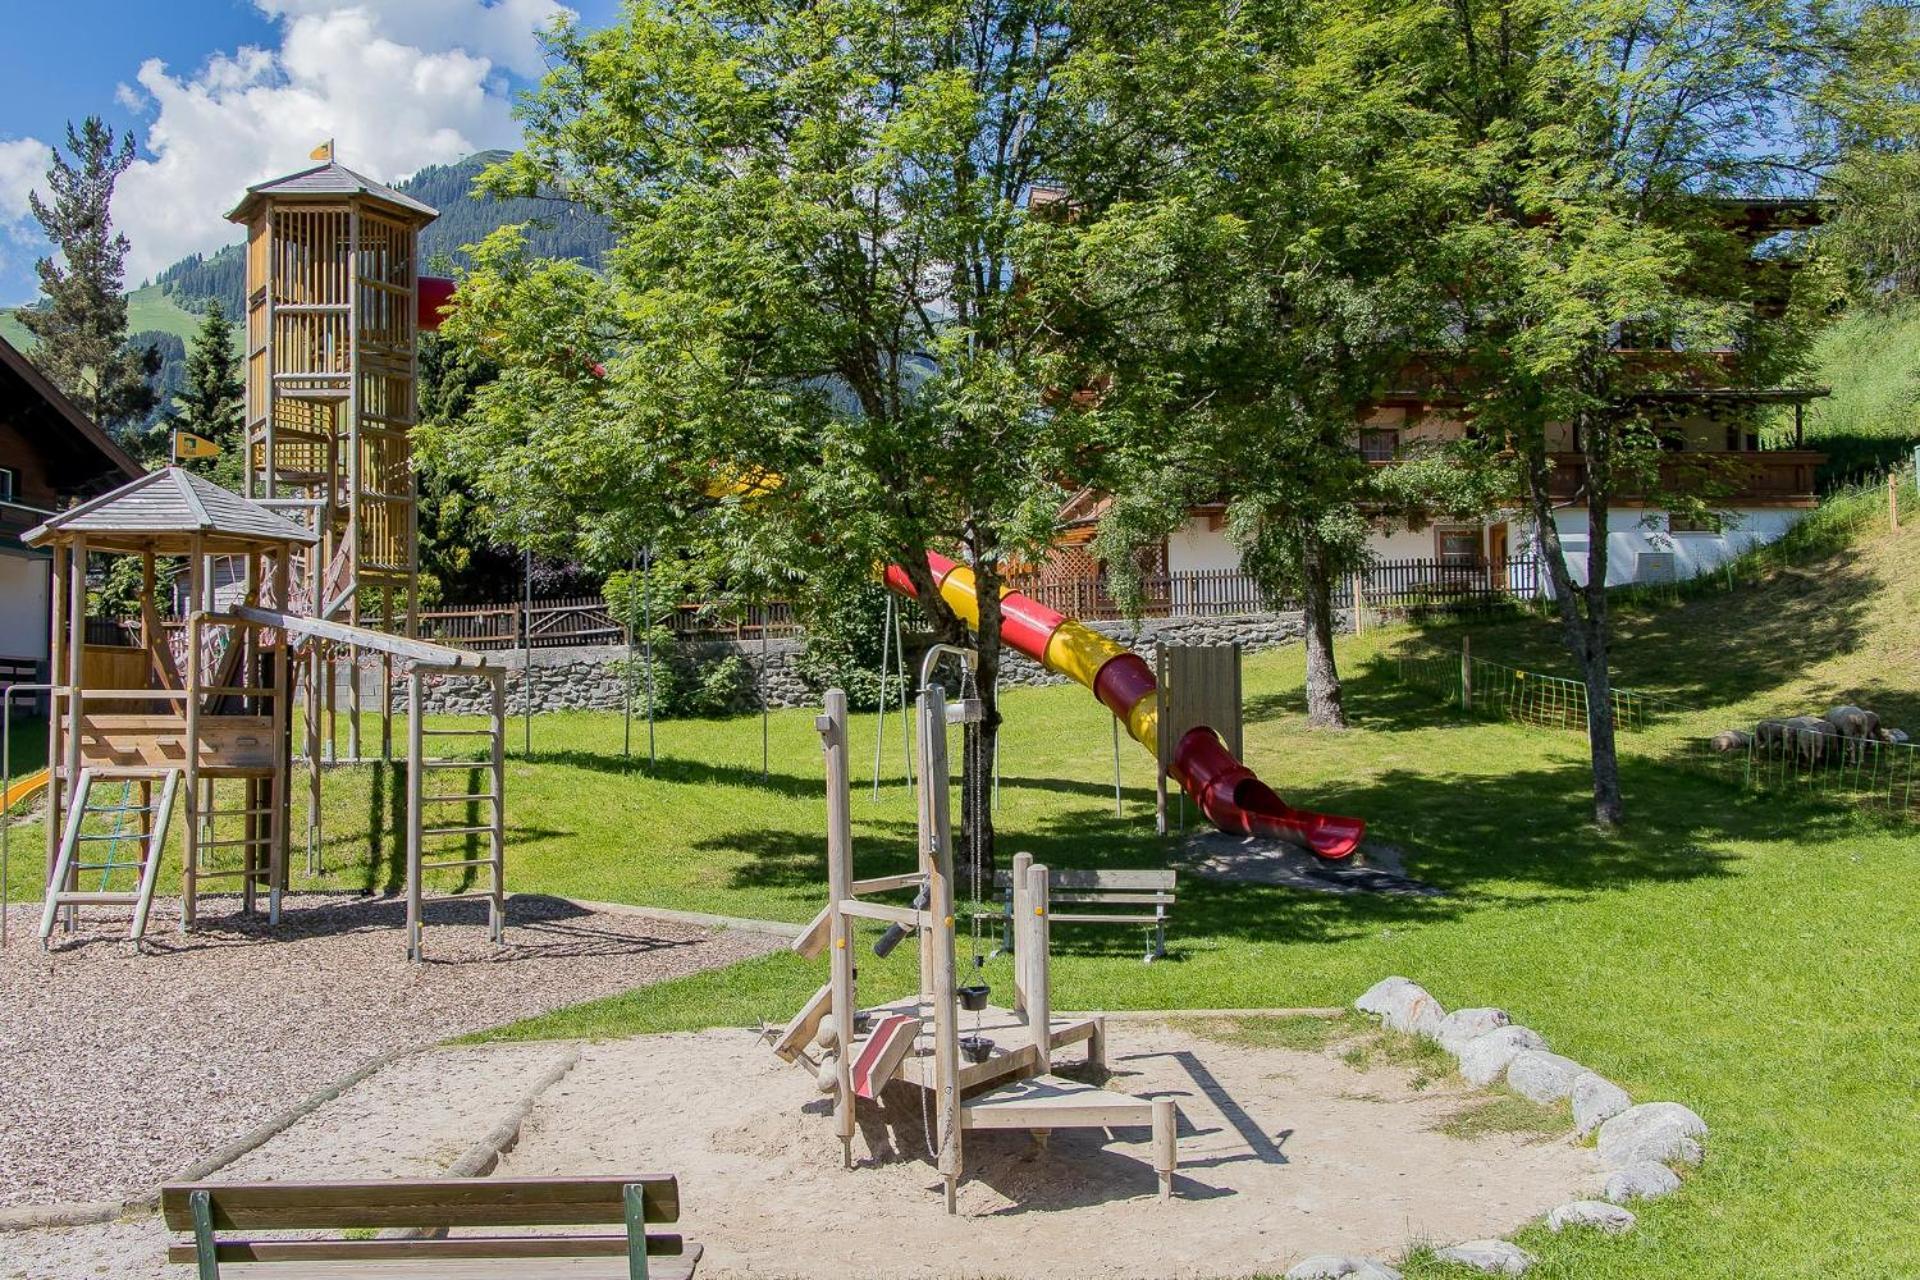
(1751, 957)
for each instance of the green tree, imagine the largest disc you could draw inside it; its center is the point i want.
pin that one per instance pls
(81, 328)
(211, 403)
(811, 352)
(1604, 260)
(1247, 211)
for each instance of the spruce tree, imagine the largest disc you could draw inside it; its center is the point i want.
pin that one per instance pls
(81, 330)
(209, 405)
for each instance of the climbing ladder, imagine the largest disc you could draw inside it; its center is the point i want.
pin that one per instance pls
(424, 799)
(63, 887)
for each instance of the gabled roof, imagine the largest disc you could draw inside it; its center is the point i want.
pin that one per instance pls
(330, 179)
(173, 501)
(65, 413)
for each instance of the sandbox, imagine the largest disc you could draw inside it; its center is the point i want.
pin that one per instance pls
(1283, 1154)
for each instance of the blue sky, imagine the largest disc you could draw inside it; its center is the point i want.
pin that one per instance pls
(221, 93)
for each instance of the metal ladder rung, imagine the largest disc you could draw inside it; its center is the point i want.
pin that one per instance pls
(82, 898)
(230, 844)
(454, 831)
(485, 795)
(259, 873)
(457, 864)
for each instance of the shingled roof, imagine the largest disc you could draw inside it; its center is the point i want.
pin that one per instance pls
(329, 179)
(172, 502)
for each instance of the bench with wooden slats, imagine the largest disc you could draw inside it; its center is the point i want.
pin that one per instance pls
(432, 1205)
(1129, 891)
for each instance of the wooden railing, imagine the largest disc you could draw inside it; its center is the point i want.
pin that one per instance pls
(584, 620)
(1212, 593)
(1777, 477)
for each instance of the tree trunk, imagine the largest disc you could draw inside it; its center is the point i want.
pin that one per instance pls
(1585, 632)
(976, 797)
(1326, 707)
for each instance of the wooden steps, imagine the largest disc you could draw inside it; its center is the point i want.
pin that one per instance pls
(1044, 1103)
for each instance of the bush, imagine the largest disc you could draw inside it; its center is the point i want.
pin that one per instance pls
(843, 647)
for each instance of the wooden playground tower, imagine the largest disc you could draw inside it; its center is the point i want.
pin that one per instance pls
(999, 1077)
(328, 523)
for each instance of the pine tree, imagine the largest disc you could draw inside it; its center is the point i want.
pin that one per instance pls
(81, 329)
(209, 404)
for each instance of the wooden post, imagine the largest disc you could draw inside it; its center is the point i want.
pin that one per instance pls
(190, 856)
(1166, 1127)
(833, 741)
(76, 684)
(414, 793)
(279, 790)
(57, 711)
(939, 939)
(1466, 673)
(1039, 988)
(1359, 607)
(1022, 931)
(1893, 500)
(497, 904)
(1163, 747)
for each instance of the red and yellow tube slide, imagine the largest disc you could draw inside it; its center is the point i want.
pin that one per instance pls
(1226, 791)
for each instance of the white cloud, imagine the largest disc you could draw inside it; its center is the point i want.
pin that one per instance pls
(503, 31)
(23, 165)
(398, 84)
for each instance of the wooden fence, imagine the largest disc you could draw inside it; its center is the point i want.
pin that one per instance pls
(1214, 593)
(582, 620)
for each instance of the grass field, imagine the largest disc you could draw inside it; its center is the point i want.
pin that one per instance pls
(147, 308)
(1750, 957)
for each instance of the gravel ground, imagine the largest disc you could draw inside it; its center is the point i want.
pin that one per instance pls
(122, 1068)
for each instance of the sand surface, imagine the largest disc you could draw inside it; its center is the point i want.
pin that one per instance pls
(1282, 1154)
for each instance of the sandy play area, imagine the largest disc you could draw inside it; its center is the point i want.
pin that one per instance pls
(1282, 1154)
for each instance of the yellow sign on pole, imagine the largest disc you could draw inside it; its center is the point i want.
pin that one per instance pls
(188, 446)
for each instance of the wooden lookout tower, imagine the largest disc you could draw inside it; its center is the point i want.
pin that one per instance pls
(332, 323)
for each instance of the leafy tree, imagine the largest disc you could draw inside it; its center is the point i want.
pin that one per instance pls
(814, 351)
(1604, 264)
(1242, 247)
(81, 330)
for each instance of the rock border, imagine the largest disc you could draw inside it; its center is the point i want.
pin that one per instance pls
(1637, 1145)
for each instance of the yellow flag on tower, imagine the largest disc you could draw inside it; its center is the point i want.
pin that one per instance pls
(323, 152)
(187, 446)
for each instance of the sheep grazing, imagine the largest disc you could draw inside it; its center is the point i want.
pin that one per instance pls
(1812, 738)
(1856, 727)
(1771, 733)
(1896, 736)
(1728, 741)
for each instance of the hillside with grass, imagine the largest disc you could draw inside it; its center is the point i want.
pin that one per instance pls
(1871, 360)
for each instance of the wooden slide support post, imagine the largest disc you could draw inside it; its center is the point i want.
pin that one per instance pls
(1017, 927)
(1039, 990)
(833, 742)
(937, 943)
(415, 790)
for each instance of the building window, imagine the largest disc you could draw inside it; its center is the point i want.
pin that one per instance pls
(9, 486)
(1457, 544)
(1379, 444)
(1707, 522)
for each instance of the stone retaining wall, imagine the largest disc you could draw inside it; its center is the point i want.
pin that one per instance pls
(588, 677)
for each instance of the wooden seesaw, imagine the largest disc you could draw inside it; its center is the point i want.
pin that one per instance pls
(1006, 1079)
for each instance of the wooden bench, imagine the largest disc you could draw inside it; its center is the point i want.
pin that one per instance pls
(431, 1205)
(1130, 891)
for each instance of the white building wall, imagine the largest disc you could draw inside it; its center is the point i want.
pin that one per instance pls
(1195, 547)
(1641, 548)
(23, 606)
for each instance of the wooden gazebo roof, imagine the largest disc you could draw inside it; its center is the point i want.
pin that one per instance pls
(332, 179)
(165, 511)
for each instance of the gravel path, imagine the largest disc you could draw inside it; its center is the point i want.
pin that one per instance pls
(121, 1068)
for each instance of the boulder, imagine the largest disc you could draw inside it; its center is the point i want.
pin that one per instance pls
(1539, 1076)
(1484, 1058)
(1661, 1132)
(1463, 1025)
(1596, 1100)
(1493, 1257)
(1403, 1005)
(1644, 1181)
(1598, 1214)
(1332, 1266)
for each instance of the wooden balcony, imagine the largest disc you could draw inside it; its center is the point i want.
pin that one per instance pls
(1772, 478)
